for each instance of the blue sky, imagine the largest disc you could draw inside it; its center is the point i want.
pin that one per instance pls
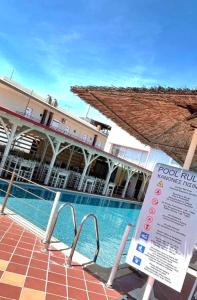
(55, 44)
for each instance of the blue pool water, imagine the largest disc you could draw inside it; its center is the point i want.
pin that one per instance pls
(112, 217)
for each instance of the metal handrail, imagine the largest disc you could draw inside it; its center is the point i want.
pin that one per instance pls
(4, 203)
(48, 239)
(28, 192)
(7, 194)
(69, 260)
(28, 180)
(11, 183)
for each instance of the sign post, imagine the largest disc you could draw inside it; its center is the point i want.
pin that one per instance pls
(187, 164)
(164, 240)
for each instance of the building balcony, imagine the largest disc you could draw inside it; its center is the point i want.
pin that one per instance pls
(70, 133)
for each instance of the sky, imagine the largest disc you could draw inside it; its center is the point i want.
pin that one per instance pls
(52, 45)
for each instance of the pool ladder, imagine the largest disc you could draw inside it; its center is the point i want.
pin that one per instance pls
(49, 236)
(77, 232)
(74, 244)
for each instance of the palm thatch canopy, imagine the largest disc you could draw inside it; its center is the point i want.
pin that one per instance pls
(162, 118)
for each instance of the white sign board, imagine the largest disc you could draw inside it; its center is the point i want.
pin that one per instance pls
(166, 230)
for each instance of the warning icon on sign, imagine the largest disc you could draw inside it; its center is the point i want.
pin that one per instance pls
(158, 191)
(160, 184)
(147, 226)
(155, 201)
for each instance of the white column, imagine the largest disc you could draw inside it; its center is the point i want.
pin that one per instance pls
(11, 138)
(88, 160)
(55, 154)
(69, 159)
(107, 181)
(146, 184)
(147, 158)
(111, 168)
(134, 183)
(140, 194)
(129, 175)
(39, 170)
(126, 186)
(44, 153)
(82, 177)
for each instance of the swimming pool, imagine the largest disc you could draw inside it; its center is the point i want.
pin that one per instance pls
(112, 217)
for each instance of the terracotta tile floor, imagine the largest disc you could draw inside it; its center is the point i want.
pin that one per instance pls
(26, 273)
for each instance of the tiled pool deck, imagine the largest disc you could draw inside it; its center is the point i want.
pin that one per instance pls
(26, 273)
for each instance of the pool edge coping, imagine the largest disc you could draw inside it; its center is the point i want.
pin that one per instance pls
(77, 257)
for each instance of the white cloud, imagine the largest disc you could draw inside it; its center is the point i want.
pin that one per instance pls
(72, 36)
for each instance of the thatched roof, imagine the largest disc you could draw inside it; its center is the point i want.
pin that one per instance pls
(162, 118)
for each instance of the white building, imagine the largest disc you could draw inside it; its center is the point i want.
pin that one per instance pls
(41, 142)
(123, 145)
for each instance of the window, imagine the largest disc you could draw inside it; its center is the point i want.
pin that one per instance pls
(67, 129)
(55, 124)
(98, 144)
(84, 138)
(115, 150)
(89, 139)
(28, 112)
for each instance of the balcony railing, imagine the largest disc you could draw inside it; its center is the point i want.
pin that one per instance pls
(69, 133)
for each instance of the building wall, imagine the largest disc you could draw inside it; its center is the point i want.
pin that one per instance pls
(146, 159)
(61, 121)
(123, 145)
(120, 137)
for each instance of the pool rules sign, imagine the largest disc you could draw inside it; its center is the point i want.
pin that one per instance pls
(166, 230)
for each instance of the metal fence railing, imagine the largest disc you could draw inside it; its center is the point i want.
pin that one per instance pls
(24, 194)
